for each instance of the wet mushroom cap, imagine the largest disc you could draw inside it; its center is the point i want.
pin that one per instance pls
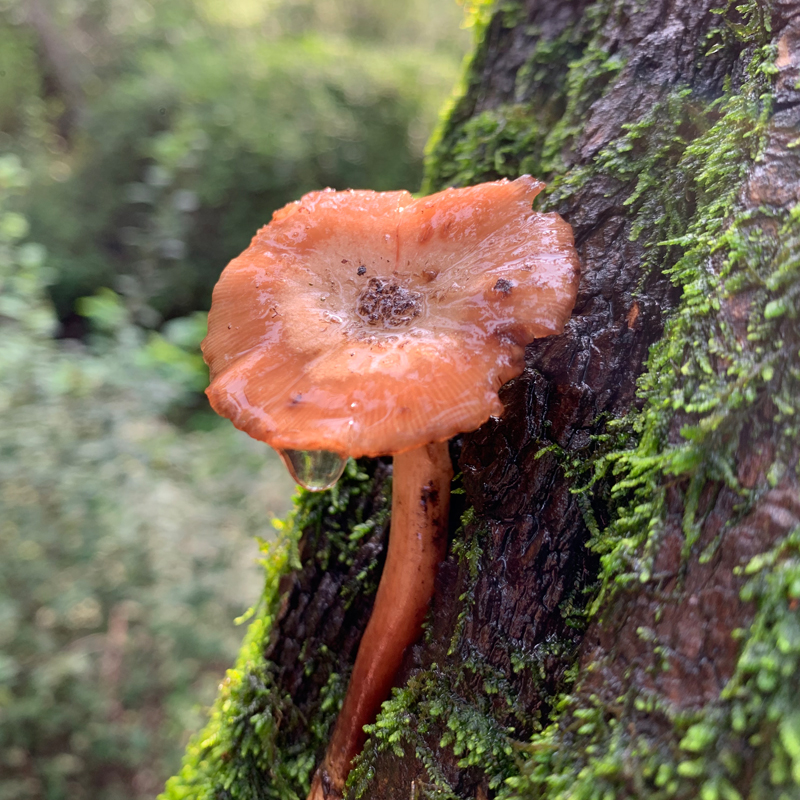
(370, 323)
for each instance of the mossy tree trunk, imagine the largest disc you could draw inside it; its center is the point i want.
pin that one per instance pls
(619, 614)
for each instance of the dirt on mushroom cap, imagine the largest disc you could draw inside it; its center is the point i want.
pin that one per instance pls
(370, 323)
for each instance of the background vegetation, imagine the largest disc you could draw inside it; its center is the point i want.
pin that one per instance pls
(141, 145)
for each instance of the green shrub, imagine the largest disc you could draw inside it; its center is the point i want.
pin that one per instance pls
(125, 549)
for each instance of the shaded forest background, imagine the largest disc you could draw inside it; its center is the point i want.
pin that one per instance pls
(141, 146)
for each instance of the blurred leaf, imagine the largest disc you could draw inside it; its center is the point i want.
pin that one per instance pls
(187, 332)
(104, 309)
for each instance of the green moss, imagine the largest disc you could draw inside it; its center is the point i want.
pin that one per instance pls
(686, 166)
(534, 133)
(468, 551)
(477, 15)
(698, 372)
(429, 714)
(745, 746)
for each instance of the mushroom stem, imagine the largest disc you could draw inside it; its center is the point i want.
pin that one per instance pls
(417, 544)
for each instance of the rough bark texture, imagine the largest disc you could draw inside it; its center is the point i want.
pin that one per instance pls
(612, 537)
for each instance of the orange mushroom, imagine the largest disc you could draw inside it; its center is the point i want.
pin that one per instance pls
(361, 323)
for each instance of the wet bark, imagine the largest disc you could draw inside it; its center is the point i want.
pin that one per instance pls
(534, 555)
(518, 597)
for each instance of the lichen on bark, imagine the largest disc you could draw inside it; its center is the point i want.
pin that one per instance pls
(618, 615)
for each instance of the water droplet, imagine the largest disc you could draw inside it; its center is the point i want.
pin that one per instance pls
(315, 470)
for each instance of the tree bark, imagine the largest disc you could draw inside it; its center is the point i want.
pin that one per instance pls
(617, 614)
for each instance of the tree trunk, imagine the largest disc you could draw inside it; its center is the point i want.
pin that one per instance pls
(618, 613)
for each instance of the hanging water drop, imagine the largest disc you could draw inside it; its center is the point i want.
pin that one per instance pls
(315, 470)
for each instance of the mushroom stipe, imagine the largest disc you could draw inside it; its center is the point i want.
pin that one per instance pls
(325, 360)
(417, 545)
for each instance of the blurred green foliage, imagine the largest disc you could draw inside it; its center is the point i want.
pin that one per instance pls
(124, 549)
(176, 128)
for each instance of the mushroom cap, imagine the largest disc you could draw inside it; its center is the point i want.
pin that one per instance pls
(370, 323)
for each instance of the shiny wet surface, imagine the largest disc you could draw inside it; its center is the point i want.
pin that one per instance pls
(369, 323)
